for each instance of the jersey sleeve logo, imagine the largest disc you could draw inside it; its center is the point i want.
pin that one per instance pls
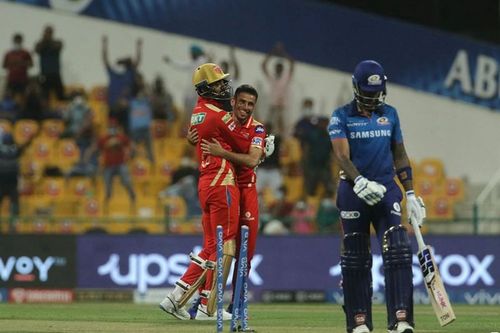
(226, 118)
(198, 118)
(259, 129)
(334, 121)
(256, 141)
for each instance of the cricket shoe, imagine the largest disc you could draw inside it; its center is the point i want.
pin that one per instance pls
(361, 329)
(402, 327)
(170, 306)
(202, 314)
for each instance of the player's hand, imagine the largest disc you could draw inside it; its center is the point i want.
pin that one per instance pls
(213, 148)
(416, 208)
(192, 136)
(269, 148)
(369, 191)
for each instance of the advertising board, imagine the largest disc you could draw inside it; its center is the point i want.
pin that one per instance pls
(469, 265)
(29, 261)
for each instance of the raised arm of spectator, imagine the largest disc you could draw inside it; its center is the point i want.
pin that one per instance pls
(58, 44)
(138, 53)
(265, 65)
(234, 63)
(105, 58)
(291, 61)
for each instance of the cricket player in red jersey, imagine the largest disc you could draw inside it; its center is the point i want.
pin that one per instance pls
(218, 193)
(252, 134)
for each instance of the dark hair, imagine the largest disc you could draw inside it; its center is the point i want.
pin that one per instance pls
(246, 88)
(18, 38)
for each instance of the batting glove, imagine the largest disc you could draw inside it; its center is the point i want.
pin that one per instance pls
(269, 149)
(369, 191)
(415, 207)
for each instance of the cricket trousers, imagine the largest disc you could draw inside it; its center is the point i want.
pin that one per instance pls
(249, 216)
(220, 205)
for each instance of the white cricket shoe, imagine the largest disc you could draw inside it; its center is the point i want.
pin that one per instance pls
(361, 329)
(170, 306)
(202, 314)
(402, 327)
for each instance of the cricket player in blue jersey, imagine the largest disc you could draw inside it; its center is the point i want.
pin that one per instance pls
(368, 145)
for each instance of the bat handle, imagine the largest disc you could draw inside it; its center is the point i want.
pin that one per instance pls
(418, 235)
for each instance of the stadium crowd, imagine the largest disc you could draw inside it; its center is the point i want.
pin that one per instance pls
(119, 150)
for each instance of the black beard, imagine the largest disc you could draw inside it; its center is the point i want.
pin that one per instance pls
(226, 105)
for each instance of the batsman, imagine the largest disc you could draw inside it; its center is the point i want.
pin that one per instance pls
(368, 145)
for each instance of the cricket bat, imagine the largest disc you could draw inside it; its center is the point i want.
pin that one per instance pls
(432, 279)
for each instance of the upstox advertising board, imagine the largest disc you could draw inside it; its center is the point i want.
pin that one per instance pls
(469, 265)
(37, 261)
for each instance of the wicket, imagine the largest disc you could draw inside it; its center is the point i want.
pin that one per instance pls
(220, 279)
(240, 303)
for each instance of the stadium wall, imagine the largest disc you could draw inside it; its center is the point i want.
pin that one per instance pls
(310, 270)
(463, 135)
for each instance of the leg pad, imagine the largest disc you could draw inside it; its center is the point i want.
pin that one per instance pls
(227, 260)
(397, 255)
(356, 263)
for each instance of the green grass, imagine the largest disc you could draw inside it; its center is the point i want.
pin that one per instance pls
(273, 318)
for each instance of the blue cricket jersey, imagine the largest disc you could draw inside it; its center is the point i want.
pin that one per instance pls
(369, 139)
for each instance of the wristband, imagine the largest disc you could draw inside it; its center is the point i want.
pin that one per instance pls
(404, 174)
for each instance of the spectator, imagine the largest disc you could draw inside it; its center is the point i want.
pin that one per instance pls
(231, 66)
(275, 227)
(269, 172)
(303, 218)
(17, 62)
(34, 104)
(78, 118)
(328, 216)
(122, 80)
(49, 51)
(198, 57)
(185, 185)
(317, 156)
(162, 102)
(140, 117)
(10, 153)
(115, 149)
(281, 208)
(304, 126)
(279, 83)
(9, 108)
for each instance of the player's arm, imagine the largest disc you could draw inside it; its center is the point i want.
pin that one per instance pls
(414, 205)
(402, 165)
(369, 191)
(251, 160)
(341, 154)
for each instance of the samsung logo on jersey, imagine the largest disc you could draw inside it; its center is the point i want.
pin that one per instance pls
(370, 134)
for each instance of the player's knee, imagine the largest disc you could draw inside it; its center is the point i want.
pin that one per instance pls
(356, 253)
(397, 247)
